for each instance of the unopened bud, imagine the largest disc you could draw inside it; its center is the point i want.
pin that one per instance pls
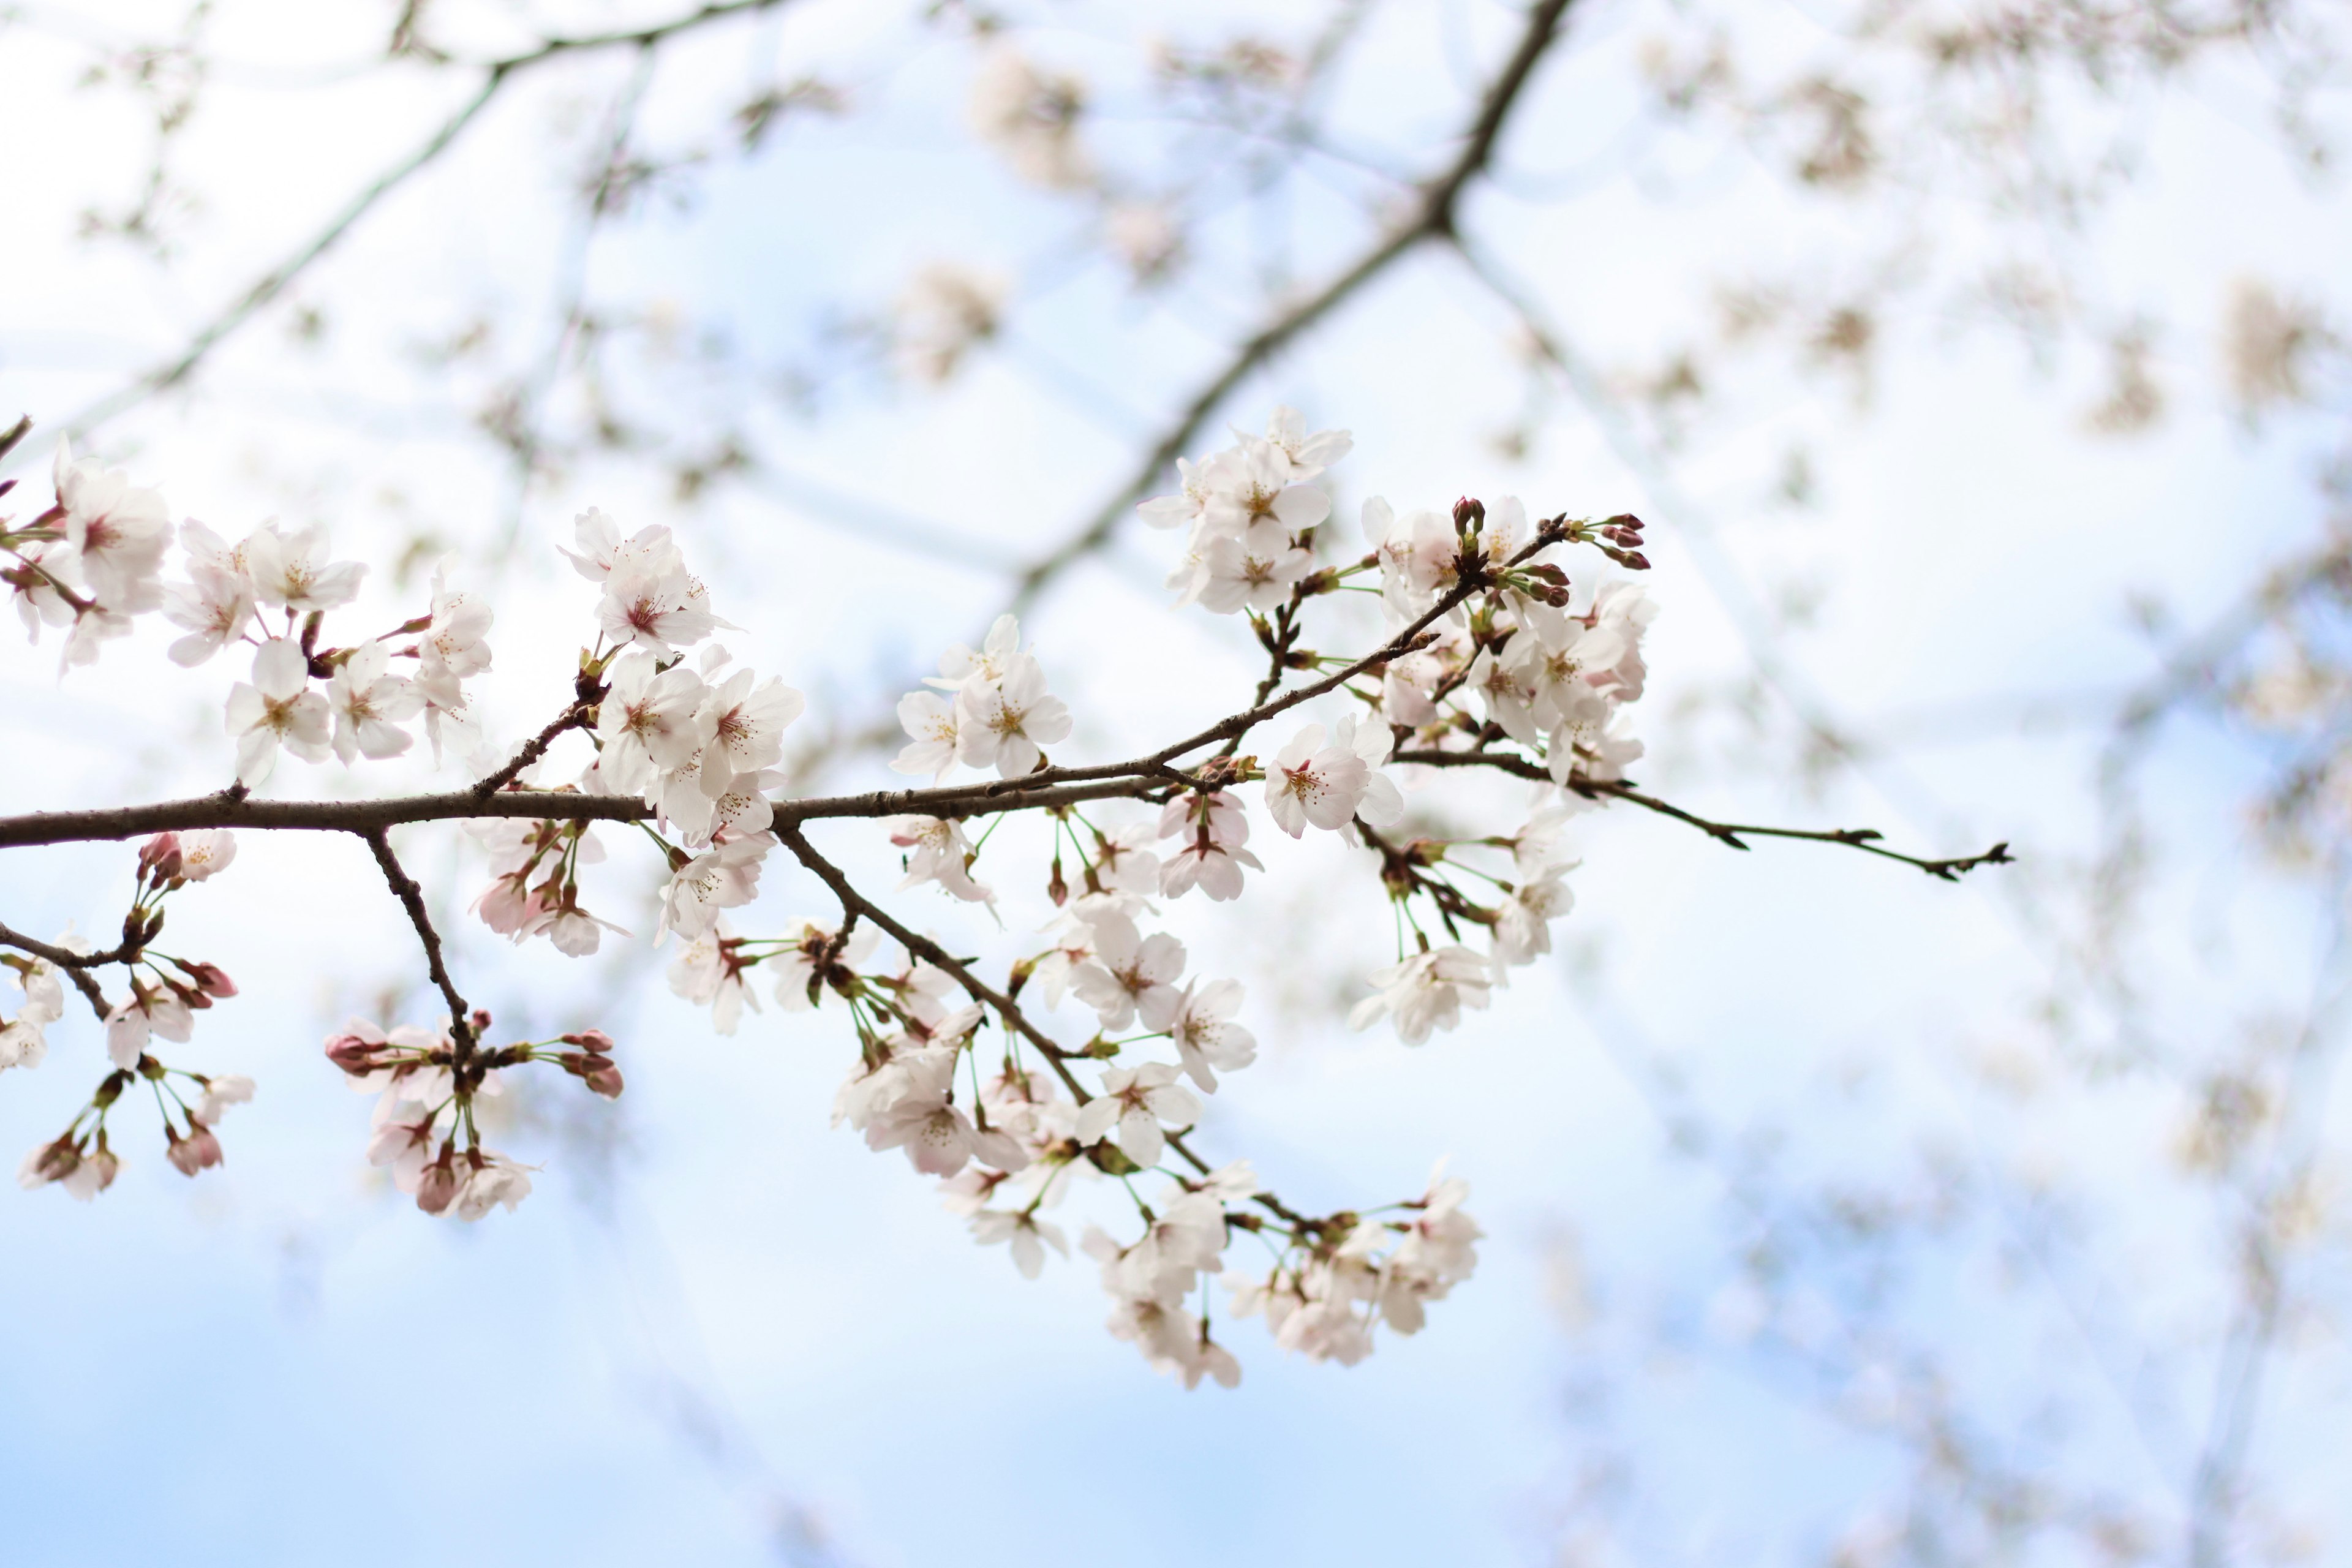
(1022, 970)
(54, 1163)
(1468, 514)
(209, 977)
(605, 1080)
(354, 1054)
(111, 1088)
(159, 857)
(437, 1189)
(195, 1151)
(595, 1040)
(1055, 888)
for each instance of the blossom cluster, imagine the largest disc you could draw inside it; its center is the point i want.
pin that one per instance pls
(1095, 1060)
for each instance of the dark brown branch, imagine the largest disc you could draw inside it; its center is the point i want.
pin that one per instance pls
(496, 74)
(574, 718)
(1733, 833)
(412, 898)
(1434, 219)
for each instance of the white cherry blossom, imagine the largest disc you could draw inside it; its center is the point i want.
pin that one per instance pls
(1425, 991)
(277, 708)
(292, 570)
(1313, 782)
(1004, 724)
(1133, 1104)
(1206, 1036)
(369, 705)
(1130, 974)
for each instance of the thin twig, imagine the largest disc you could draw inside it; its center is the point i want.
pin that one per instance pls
(77, 965)
(1732, 834)
(412, 898)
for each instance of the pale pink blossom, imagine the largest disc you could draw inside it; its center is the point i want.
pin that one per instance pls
(1134, 1103)
(1005, 723)
(938, 852)
(1130, 974)
(1205, 1035)
(277, 708)
(369, 705)
(1425, 992)
(292, 570)
(930, 719)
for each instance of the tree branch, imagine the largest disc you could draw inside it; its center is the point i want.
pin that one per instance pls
(76, 965)
(1435, 219)
(412, 898)
(1733, 833)
(496, 74)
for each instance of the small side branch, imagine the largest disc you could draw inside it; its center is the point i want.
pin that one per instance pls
(76, 965)
(412, 898)
(1731, 834)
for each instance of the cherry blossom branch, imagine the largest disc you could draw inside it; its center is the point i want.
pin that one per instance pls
(1435, 219)
(1733, 833)
(412, 898)
(855, 904)
(574, 718)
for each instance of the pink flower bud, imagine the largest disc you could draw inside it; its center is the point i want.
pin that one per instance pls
(354, 1054)
(605, 1080)
(438, 1188)
(595, 1040)
(192, 1153)
(209, 977)
(160, 856)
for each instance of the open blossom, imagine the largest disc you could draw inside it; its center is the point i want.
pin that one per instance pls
(1259, 485)
(1307, 454)
(743, 721)
(1588, 743)
(1425, 992)
(1523, 921)
(603, 552)
(1206, 1036)
(277, 708)
(651, 721)
(1212, 856)
(659, 610)
(1557, 666)
(292, 570)
(724, 877)
(1311, 782)
(213, 606)
(220, 1093)
(23, 1043)
(1133, 1104)
(116, 529)
(451, 648)
(708, 973)
(930, 721)
(1252, 569)
(1196, 483)
(937, 852)
(1130, 974)
(369, 705)
(1004, 723)
(1025, 1234)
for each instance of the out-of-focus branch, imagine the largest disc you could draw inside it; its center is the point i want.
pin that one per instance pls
(76, 965)
(496, 75)
(1434, 219)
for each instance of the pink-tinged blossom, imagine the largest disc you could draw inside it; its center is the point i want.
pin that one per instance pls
(1559, 666)
(1588, 743)
(145, 1012)
(1505, 688)
(1004, 724)
(708, 973)
(660, 611)
(220, 1093)
(196, 1151)
(1523, 921)
(1258, 487)
(116, 529)
(1628, 609)
(1311, 782)
(650, 722)
(1023, 1233)
(277, 708)
(1123, 860)
(213, 607)
(93, 1175)
(744, 721)
(292, 570)
(369, 705)
(1253, 569)
(1133, 1104)
(495, 1182)
(451, 648)
(1212, 856)
(930, 721)
(1205, 1035)
(939, 852)
(724, 877)
(23, 1043)
(1425, 992)
(1130, 974)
